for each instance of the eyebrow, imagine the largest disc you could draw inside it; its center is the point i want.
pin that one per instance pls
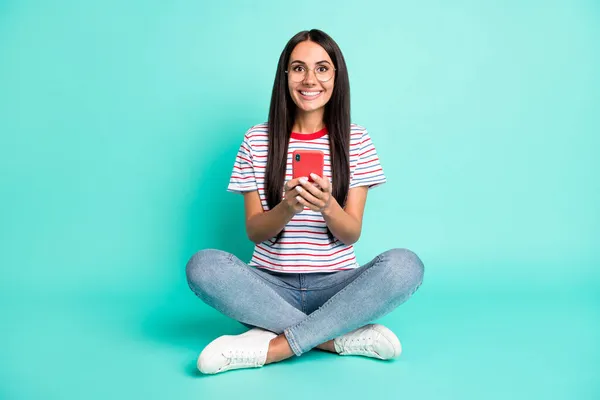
(302, 62)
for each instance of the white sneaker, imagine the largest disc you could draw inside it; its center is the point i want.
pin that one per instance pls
(248, 350)
(373, 340)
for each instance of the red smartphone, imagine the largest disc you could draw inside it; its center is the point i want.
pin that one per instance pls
(305, 162)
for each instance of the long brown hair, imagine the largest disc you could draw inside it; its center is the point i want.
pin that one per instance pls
(336, 118)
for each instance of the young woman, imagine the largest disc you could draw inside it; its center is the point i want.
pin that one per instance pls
(303, 287)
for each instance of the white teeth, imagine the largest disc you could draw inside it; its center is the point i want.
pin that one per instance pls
(310, 93)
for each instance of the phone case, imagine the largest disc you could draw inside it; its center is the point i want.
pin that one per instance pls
(305, 162)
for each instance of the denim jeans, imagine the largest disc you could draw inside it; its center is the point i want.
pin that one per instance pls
(309, 308)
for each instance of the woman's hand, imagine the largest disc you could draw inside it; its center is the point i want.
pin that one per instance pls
(291, 196)
(316, 197)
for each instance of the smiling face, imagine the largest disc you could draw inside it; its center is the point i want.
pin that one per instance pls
(310, 94)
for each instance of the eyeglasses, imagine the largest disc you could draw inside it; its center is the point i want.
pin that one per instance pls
(298, 73)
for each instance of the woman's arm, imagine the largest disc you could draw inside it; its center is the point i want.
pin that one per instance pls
(263, 225)
(345, 223)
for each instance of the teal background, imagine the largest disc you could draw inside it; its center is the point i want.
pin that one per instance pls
(119, 125)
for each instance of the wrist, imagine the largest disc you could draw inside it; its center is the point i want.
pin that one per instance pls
(287, 210)
(327, 211)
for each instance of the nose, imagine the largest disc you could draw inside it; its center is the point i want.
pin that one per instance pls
(310, 77)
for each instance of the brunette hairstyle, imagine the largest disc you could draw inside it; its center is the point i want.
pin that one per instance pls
(336, 117)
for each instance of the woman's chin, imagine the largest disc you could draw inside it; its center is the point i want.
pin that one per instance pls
(303, 107)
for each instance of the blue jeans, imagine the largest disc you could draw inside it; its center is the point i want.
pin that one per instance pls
(309, 308)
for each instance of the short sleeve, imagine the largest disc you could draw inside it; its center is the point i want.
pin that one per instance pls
(242, 177)
(368, 170)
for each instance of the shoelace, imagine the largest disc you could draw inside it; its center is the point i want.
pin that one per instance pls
(363, 344)
(243, 356)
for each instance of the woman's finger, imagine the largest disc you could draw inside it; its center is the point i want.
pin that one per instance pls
(323, 183)
(309, 197)
(306, 203)
(312, 189)
(292, 183)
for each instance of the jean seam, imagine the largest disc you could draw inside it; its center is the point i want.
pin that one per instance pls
(292, 342)
(375, 261)
(274, 283)
(304, 301)
(330, 286)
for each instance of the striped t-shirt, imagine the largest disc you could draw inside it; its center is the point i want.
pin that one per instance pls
(304, 246)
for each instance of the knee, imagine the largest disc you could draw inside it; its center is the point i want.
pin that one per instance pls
(202, 265)
(404, 267)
